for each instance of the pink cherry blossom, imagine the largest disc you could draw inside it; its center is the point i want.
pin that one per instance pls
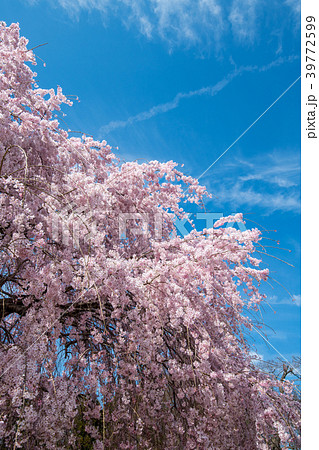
(135, 344)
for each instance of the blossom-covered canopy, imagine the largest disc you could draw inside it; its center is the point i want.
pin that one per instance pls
(112, 343)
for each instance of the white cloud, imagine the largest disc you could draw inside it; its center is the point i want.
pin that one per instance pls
(239, 196)
(282, 171)
(242, 18)
(180, 21)
(270, 181)
(275, 300)
(297, 299)
(279, 336)
(295, 5)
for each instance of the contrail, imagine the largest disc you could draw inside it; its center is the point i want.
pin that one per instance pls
(248, 128)
(207, 90)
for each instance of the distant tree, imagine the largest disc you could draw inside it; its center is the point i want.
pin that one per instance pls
(283, 370)
(119, 343)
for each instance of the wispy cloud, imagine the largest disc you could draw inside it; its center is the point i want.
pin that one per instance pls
(206, 90)
(284, 172)
(270, 181)
(295, 5)
(275, 300)
(240, 196)
(243, 17)
(178, 22)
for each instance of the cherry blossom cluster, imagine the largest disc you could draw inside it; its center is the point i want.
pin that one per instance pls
(121, 344)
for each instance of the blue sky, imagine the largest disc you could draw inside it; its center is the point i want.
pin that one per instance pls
(181, 80)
